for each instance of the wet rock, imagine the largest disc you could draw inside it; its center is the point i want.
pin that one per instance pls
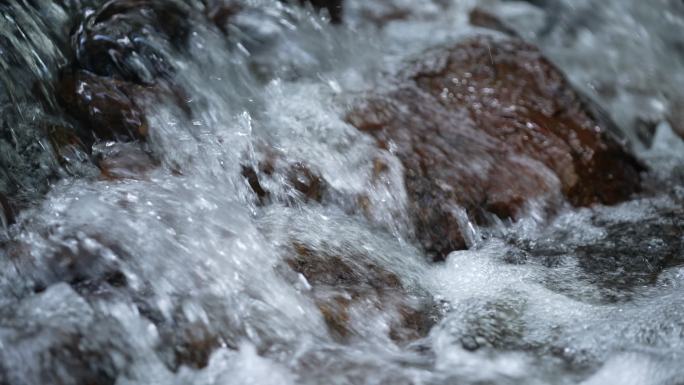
(293, 181)
(485, 126)
(28, 167)
(124, 161)
(676, 117)
(221, 12)
(70, 151)
(344, 284)
(480, 17)
(132, 39)
(333, 7)
(633, 254)
(195, 347)
(67, 343)
(645, 130)
(623, 254)
(185, 343)
(309, 184)
(253, 180)
(106, 107)
(88, 263)
(491, 324)
(6, 210)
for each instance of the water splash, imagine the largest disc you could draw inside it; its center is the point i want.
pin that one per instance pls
(180, 275)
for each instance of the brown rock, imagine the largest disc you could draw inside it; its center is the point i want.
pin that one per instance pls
(253, 180)
(306, 182)
(67, 146)
(300, 181)
(474, 126)
(106, 107)
(341, 283)
(191, 344)
(125, 161)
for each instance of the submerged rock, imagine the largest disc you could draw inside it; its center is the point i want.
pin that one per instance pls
(124, 161)
(66, 342)
(6, 210)
(621, 255)
(676, 118)
(293, 182)
(69, 149)
(333, 7)
(481, 17)
(486, 126)
(346, 285)
(131, 39)
(107, 107)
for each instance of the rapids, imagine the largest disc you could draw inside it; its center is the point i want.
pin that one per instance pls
(185, 249)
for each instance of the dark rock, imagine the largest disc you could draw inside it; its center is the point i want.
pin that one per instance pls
(645, 130)
(6, 210)
(106, 107)
(221, 12)
(676, 117)
(301, 183)
(253, 179)
(633, 254)
(474, 126)
(185, 343)
(310, 185)
(627, 255)
(68, 147)
(132, 39)
(341, 283)
(80, 261)
(381, 13)
(333, 7)
(125, 161)
(56, 339)
(480, 17)
(69, 359)
(492, 324)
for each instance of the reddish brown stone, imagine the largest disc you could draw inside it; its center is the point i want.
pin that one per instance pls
(106, 107)
(300, 180)
(343, 282)
(487, 125)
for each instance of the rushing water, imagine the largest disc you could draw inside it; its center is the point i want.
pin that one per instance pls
(198, 254)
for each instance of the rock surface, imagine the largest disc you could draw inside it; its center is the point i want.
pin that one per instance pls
(486, 126)
(129, 39)
(621, 255)
(293, 181)
(104, 106)
(334, 8)
(345, 286)
(6, 211)
(481, 17)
